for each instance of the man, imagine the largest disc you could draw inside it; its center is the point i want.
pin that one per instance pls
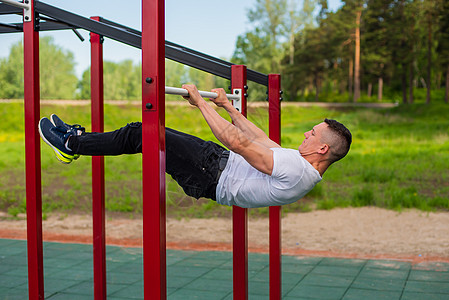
(255, 172)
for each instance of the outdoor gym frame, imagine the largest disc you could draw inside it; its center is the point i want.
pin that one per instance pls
(39, 16)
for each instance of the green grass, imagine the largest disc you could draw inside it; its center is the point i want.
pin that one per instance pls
(399, 159)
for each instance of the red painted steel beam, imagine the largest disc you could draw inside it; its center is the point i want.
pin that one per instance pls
(98, 185)
(33, 159)
(240, 215)
(274, 115)
(153, 149)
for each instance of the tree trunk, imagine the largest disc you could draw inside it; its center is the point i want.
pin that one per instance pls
(446, 96)
(351, 76)
(342, 87)
(423, 82)
(370, 89)
(335, 81)
(293, 89)
(357, 58)
(438, 80)
(380, 89)
(317, 87)
(429, 58)
(410, 83)
(404, 84)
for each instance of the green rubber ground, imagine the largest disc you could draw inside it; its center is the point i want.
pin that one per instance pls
(208, 275)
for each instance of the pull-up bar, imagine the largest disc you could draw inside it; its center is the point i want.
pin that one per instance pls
(16, 4)
(26, 8)
(183, 92)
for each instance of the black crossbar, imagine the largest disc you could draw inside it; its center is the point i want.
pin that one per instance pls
(9, 28)
(90, 25)
(67, 20)
(9, 10)
(126, 28)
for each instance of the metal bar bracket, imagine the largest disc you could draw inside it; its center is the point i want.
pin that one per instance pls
(237, 103)
(27, 11)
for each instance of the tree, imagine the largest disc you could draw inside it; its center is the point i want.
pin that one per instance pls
(122, 81)
(310, 59)
(443, 44)
(429, 20)
(402, 36)
(253, 50)
(268, 16)
(11, 73)
(261, 48)
(376, 51)
(348, 21)
(57, 72)
(358, 16)
(295, 21)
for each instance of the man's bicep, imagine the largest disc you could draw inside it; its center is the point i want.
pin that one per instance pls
(258, 156)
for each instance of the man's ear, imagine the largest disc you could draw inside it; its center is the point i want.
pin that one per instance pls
(323, 149)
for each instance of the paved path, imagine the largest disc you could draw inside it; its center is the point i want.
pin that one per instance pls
(208, 275)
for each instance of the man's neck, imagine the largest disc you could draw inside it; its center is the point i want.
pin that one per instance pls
(320, 165)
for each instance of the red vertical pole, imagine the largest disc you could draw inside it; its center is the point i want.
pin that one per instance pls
(33, 158)
(153, 149)
(98, 186)
(240, 215)
(274, 112)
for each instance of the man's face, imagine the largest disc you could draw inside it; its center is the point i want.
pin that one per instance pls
(312, 142)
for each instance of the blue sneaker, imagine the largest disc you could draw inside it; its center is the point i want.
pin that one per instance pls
(56, 138)
(76, 127)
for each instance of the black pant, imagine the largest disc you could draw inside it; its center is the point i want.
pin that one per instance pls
(191, 161)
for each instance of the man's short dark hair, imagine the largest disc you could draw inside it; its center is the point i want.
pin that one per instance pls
(339, 141)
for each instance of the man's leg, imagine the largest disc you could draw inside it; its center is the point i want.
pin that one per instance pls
(191, 161)
(126, 140)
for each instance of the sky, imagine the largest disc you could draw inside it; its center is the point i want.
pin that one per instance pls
(208, 26)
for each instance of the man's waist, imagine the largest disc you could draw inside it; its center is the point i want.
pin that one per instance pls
(222, 162)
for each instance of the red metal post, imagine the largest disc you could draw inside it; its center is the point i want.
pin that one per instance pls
(153, 149)
(274, 112)
(240, 215)
(98, 186)
(33, 158)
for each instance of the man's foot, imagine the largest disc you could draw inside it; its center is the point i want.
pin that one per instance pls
(76, 127)
(56, 137)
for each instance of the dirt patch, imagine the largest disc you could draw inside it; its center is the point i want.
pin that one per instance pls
(351, 232)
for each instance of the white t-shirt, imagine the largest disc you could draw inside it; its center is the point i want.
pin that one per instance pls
(242, 185)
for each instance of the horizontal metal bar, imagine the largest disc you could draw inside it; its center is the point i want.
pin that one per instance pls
(183, 92)
(257, 77)
(52, 24)
(16, 4)
(126, 28)
(43, 26)
(88, 24)
(9, 10)
(15, 27)
(197, 53)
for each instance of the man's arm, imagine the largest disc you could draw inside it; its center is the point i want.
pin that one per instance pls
(252, 131)
(256, 154)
